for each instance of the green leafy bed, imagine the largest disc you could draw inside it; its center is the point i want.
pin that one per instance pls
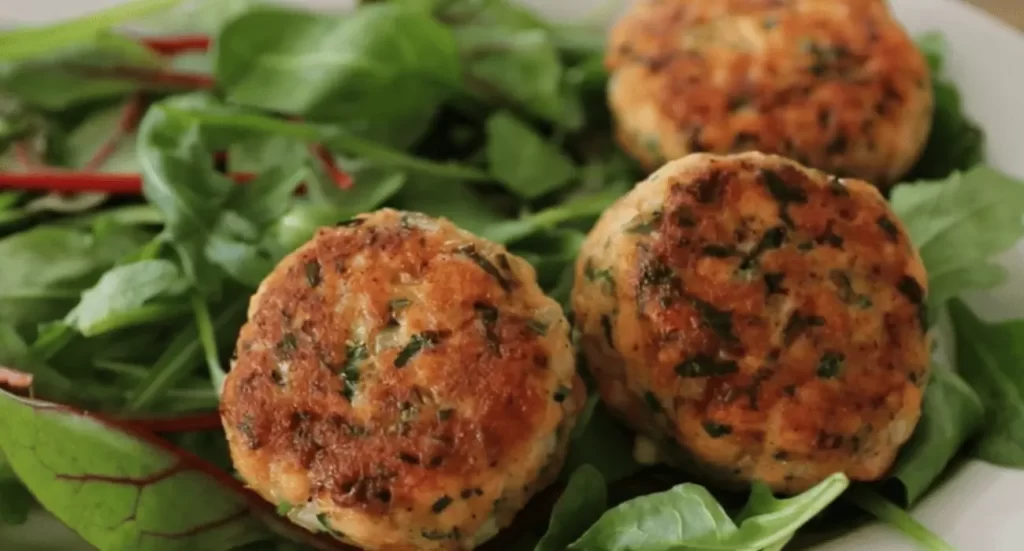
(127, 309)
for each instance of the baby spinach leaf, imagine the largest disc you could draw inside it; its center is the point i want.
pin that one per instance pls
(604, 444)
(356, 70)
(123, 297)
(958, 225)
(990, 356)
(689, 517)
(16, 354)
(898, 518)
(522, 160)
(952, 413)
(582, 502)
(766, 522)
(118, 489)
(955, 142)
(674, 519)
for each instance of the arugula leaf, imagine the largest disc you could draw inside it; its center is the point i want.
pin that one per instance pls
(228, 120)
(356, 70)
(511, 58)
(45, 270)
(689, 517)
(955, 142)
(26, 43)
(184, 354)
(455, 201)
(991, 358)
(522, 160)
(582, 502)
(123, 296)
(959, 224)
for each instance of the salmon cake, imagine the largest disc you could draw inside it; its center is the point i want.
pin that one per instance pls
(756, 319)
(836, 85)
(401, 384)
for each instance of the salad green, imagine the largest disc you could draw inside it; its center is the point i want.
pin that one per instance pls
(128, 309)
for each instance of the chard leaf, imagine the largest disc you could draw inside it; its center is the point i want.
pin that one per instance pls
(522, 160)
(582, 502)
(959, 224)
(990, 356)
(123, 296)
(355, 69)
(15, 500)
(121, 490)
(92, 134)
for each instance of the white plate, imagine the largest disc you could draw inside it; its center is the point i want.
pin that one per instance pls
(981, 507)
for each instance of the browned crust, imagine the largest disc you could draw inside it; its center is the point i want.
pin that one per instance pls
(811, 350)
(470, 403)
(835, 85)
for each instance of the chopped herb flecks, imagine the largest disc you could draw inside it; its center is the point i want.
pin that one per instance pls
(395, 308)
(783, 193)
(645, 227)
(837, 186)
(652, 401)
(417, 343)
(488, 315)
(313, 277)
(355, 353)
(287, 345)
(773, 283)
(718, 251)
(604, 276)
(538, 327)
(439, 535)
(487, 266)
(890, 229)
(606, 326)
(441, 504)
(797, 324)
(831, 365)
(704, 365)
(716, 430)
(326, 524)
(562, 393)
(445, 414)
(283, 508)
(719, 321)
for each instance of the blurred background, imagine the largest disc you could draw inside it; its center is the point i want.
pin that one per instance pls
(1011, 11)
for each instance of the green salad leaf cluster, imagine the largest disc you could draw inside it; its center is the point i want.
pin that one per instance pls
(128, 308)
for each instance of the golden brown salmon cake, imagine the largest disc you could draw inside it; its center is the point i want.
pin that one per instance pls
(401, 384)
(835, 85)
(757, 320)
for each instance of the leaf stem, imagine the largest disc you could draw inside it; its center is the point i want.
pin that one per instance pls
(129, 119)
(209, 341)
(897, 517)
